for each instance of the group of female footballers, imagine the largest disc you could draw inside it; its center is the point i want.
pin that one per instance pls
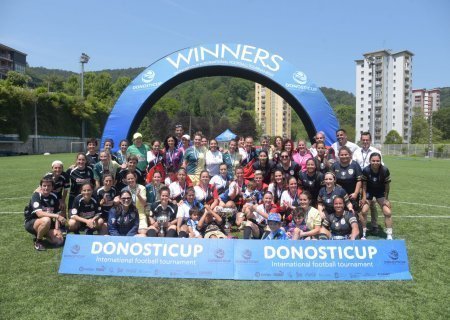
(176, 188)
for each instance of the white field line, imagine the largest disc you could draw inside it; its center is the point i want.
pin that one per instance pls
(14, 198)
(421, 204)
(394, 216)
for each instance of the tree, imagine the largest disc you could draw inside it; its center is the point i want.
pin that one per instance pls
(247, 125)
(393, 137)
(441, 121)
(421, 129)
(17, 79)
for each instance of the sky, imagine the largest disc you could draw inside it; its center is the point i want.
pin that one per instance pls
(322, 38)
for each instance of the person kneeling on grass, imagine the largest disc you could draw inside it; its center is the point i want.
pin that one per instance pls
(123, 219)
(210, 225)
(86, 213)
(276, 232)
(42, 216)
(339, 225)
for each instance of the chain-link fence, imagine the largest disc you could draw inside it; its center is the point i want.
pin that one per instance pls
(416, 150)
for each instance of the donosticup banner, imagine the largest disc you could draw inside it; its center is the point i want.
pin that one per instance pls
(235, 259)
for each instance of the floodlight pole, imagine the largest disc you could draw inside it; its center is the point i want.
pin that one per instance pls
(83, 59)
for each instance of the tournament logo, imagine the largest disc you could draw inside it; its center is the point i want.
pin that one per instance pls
(247, 254)
(300, 77)
(148, 76)
(75, 249)
(393, 254)
(219, 254)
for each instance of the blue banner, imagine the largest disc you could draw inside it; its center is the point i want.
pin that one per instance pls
(235, 259)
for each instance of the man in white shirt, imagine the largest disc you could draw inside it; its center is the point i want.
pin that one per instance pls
(362, 157)
(341, 137)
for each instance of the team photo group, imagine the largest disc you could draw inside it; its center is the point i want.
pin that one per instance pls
(191, 187)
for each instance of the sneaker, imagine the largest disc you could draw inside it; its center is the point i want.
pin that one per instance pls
(363, 238)
(389, 237)
(39, 246)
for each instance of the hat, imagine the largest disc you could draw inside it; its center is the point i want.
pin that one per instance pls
(186, 136)
(274, 217)
(137, 135)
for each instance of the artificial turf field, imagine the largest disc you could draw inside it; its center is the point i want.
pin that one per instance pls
(31, 288)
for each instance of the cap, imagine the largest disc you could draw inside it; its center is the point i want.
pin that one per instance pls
(137, 135)
(186, 136)
(274, 217)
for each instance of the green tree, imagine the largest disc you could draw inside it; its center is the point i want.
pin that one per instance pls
(420, 131)
(393, 137)
(441, 121)
(17, 79)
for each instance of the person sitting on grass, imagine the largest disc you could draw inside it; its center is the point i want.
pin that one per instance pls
(376, 179)
(123, 219)
(210, 225)
(105, 195)
(85, 213)
(42, 214)
(192, 223)
(257, 219)
(312, 218)
(163, 216)
(341, 224)
(297, 225)
(276, 232)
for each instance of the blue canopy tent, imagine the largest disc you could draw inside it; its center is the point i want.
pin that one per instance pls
(225, 136)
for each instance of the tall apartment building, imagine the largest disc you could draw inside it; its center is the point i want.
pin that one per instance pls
(11, 60)
(428, 100)
(272, 112)
(384, 94)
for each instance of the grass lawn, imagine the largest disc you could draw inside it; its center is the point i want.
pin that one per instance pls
(31, 287)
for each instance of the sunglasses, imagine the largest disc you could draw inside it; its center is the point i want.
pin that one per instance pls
(284, 157)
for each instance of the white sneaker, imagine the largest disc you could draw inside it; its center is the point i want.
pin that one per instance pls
(389, 237)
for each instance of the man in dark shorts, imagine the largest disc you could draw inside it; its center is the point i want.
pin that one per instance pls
(42, 216)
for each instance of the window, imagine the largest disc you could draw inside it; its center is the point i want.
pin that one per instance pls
(362, 86)
(362, 118)
(362, 91)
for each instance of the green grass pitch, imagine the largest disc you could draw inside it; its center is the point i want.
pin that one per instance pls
(31, 287)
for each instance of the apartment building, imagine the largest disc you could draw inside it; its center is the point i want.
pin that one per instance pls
(272, 112)
(428, 100)
(384, 94)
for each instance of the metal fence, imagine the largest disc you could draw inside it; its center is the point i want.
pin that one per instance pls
(416, 150)
(11, 145)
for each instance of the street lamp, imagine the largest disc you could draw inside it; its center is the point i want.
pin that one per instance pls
(83, 59)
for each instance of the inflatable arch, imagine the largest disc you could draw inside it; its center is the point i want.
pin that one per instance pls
(237, 60)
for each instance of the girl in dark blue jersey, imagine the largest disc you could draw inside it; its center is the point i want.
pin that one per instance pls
(86, 213)
(124, 217)
(376, 179)
(311, 180)
(348, 175)
(327, 194)
(79, 175)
